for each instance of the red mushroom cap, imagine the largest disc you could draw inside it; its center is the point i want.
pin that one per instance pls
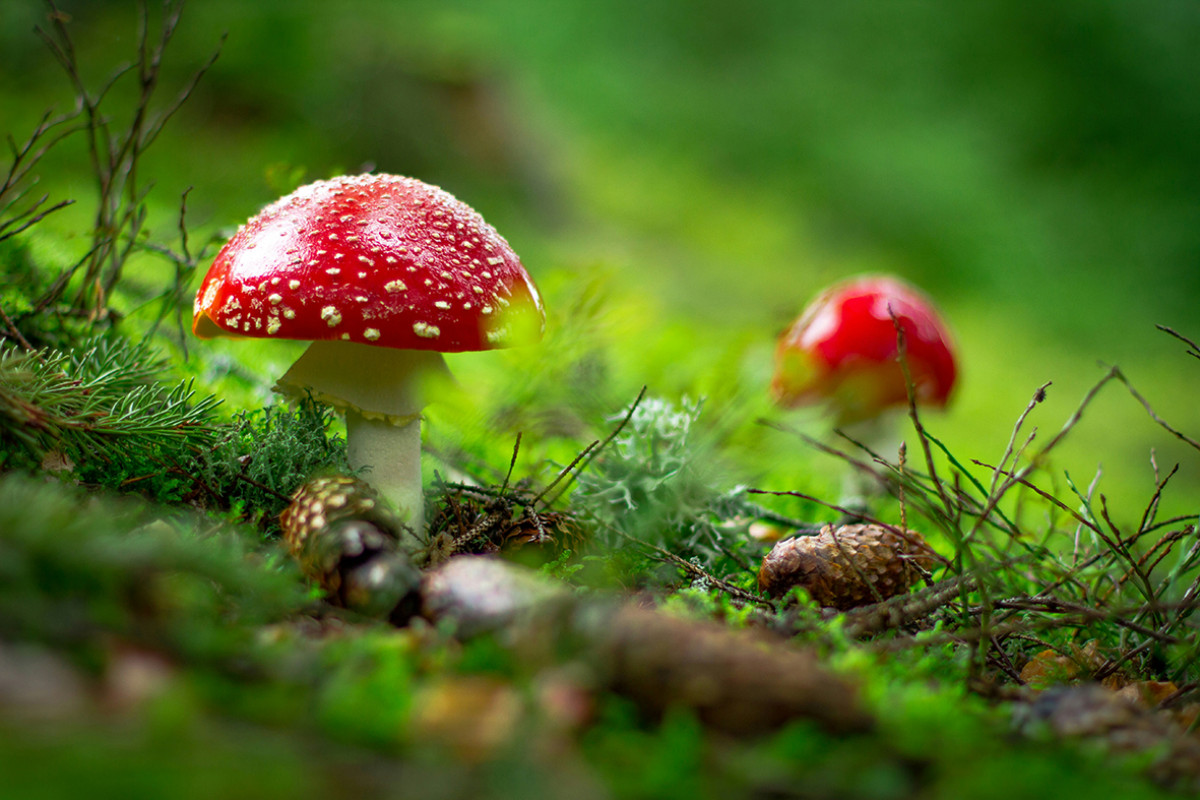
(843, 350)
(375, 259)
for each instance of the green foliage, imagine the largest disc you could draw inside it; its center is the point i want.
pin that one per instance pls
(21, 280)
(655, 483)
(104, 761)
(78, 570)
(365, 693)
(100, 411)
(650, 469)
(265, 455)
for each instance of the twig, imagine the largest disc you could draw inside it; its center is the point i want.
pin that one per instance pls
(910, 391)
(674, 558)
(590, 452)
(1116, 372)
(1195, 348)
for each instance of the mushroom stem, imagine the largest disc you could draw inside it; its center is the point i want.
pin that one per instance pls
(382, 391)
(881, 435)
(390, 457)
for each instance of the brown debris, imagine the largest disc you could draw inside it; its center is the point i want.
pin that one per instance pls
(736, 681)
(847, 566)
(472, 715)
(471, 520)
(1123, 722)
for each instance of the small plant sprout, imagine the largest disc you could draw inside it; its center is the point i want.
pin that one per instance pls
(382, 274)
(859, 348)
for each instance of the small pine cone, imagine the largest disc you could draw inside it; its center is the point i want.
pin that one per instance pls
(848, 566)
(345, 540)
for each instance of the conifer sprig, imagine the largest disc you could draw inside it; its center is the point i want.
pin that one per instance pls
(102, 401)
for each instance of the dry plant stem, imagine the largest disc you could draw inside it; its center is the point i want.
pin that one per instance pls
(726, 587)
(1013, 476)
(487, 523)
(982, 643)
(916, 487)
(1010, 450)
(1195, 348)
(1053, 605)
(1021, 479)
(590, 452)
(998, 489)
(799, 527)
(512, 465)
(995, 632)
(902, 610)
(1151, 510)
(817, 444)
(24, 158)
(14, 331)
(910, 389)
(185, 263)
(115, 156)
(1116, 373)
(833, 506)
(1087, 504)
(501, 511)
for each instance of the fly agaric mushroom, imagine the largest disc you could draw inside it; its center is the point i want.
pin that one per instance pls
(843, 351)
(382, 274)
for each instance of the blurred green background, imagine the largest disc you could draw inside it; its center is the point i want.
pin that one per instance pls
(706, 167)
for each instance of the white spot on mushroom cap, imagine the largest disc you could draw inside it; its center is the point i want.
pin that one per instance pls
(426, 331)
(331, 315)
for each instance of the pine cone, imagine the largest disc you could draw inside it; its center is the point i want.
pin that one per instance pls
(346, 541)
(848, 566)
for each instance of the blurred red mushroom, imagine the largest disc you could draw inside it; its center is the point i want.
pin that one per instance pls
(843, 352)
(383, 274)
